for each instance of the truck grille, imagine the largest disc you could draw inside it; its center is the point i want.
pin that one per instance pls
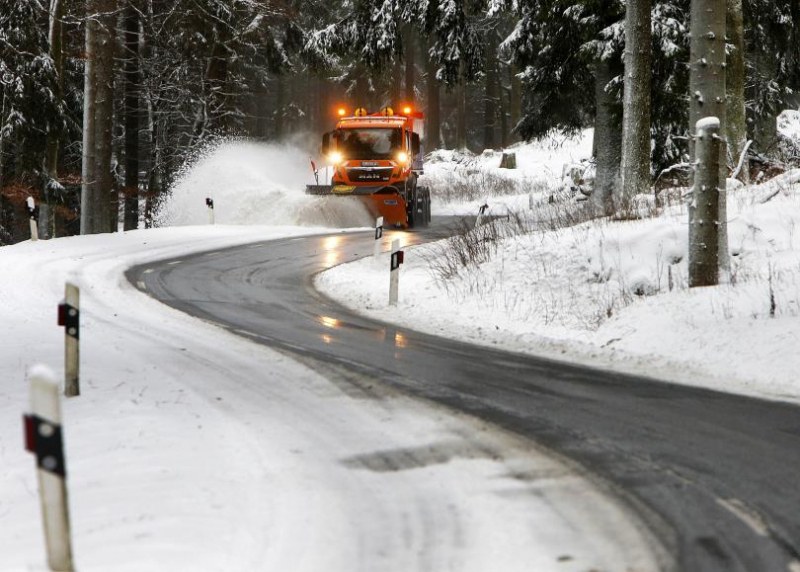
(369, 175)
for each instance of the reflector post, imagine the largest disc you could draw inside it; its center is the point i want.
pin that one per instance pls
(30, 433)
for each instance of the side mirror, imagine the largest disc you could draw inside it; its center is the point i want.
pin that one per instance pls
(326, 143)
(415, 146)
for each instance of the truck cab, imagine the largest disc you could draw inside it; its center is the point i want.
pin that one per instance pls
(378, 158)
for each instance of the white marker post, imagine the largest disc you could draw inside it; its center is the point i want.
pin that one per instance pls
(378, 235)
(43, 438)
(69, 316)
(210, 205)
(481, 212)
(394, 271)
(33, 214)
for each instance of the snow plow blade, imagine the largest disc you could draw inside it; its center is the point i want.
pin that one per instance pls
(319, 189)
(380, 200)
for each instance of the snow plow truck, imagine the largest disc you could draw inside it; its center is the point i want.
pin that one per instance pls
(377, 157)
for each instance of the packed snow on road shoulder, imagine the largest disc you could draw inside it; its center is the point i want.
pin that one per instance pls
(190, 448)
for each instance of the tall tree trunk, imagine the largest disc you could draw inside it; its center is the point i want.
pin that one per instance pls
(154, 177)
(410, 71)
(56, 42)
(261, 110)
(217, 81)
(707, 94)
(2, 143)
(280, 104)
(323, 105)
(362, 95)
(735, 83)
(636, 100)
(607, 138)
(490, 101)
(396, 86)
(149, 85)
(131, 78)
(104, 120)
(703, 233)
(505, 133)
(90, 207)
(461, 114)
(765, 124)
(515, 102)
(98, 198)
(432, 113)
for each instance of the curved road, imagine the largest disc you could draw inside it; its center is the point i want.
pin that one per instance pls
(716, 476)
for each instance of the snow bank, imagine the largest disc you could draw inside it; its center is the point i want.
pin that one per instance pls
(461, 182)
(789, 124)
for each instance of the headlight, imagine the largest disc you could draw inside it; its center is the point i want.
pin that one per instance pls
(402, 157)
(335, 157)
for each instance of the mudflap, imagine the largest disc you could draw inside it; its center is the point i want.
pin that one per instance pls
(390, 205)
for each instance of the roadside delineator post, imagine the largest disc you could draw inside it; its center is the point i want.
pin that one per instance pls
(43, 438)
(394, 271)
(210, 205)
(481, 212)
(69, 316)
(33, 214)
(378, 235)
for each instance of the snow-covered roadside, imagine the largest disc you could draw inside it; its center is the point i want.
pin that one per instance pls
(462, 182)
(599, 293)
(193, 449)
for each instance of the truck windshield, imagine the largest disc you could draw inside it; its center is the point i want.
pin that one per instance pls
(369, 143)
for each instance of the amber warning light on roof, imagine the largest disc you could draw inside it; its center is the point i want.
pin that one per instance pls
(409, 111)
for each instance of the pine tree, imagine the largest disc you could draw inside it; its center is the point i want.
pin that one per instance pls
(29, 89)
(772, 44)
(736, 134)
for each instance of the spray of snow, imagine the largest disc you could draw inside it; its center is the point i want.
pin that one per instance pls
(256, 183)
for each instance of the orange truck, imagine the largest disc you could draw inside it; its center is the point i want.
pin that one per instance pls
(377, 157)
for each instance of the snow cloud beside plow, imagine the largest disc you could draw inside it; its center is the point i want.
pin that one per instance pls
(255, 183)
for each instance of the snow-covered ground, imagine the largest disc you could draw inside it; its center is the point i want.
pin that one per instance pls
(462, 182)
(611, 293)
(193, 449)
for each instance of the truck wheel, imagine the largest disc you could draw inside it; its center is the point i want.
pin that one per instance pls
(423, 208)
(428, 205)
(423, 205)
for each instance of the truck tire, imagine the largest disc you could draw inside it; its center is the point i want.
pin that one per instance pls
(428, 204)
(423, 206)
(411, 207)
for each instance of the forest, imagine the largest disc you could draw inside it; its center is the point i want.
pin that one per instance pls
(103, 101)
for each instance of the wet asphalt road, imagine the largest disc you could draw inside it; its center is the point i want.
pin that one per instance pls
(716, 477)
